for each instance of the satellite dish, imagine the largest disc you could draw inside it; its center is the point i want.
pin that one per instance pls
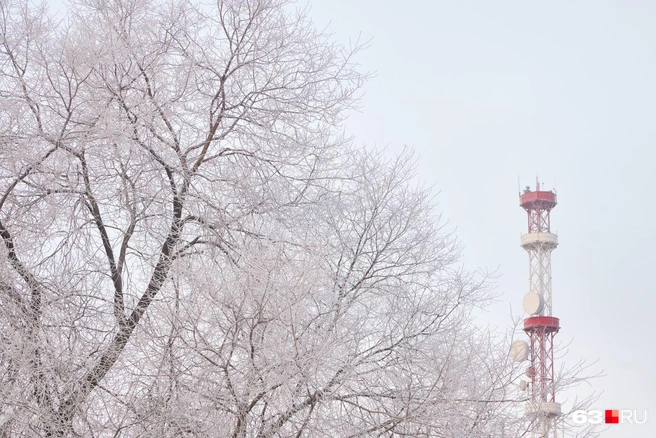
(519, 351)
(530, 372)
(533, 303)
(522, 385)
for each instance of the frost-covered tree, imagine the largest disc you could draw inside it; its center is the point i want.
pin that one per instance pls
(191, 248)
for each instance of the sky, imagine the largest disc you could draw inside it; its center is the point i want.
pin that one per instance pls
(489, 92)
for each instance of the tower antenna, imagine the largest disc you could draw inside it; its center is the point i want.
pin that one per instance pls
(541, 326)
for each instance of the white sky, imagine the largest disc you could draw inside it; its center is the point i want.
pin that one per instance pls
(489, 91)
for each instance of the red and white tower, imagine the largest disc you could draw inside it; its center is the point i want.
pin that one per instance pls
(541, 326)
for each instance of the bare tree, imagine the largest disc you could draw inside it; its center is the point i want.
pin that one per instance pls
(191, 248)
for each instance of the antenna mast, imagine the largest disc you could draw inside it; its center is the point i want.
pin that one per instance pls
(541, 326)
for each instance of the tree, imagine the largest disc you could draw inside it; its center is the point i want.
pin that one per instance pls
(191, 248)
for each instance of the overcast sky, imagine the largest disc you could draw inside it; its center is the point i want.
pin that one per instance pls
(488, 91)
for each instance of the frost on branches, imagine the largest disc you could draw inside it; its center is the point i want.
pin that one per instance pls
(191, 248)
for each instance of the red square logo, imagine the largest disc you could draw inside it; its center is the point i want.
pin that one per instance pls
(612, 416)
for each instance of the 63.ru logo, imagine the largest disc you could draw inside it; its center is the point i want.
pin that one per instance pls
(609, 416)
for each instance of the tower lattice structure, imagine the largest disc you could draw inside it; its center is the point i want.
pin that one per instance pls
(541, 326)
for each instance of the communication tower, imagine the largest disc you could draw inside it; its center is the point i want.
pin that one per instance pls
(541, 326)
